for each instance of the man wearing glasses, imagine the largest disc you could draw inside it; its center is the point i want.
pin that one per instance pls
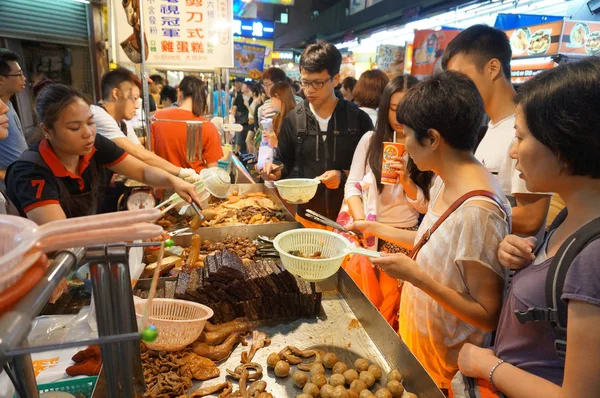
(117, 105)
(318, 138)
(12, 81)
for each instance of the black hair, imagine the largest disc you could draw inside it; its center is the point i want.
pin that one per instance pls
(561, 111)
(6, 56)
(191, 86)
(169, 93)
(384, 133)
(114, 79)
(447, 102)
(53, 99)
(275, 75)
(157, 79)
(321, 56)
(349, 83)
(483, 43)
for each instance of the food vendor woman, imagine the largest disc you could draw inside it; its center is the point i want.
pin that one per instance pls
(63, 176)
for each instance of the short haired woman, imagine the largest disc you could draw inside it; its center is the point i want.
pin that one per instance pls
(368, 90)
(452, 293)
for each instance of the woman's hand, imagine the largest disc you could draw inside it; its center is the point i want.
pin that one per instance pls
(475, 361)
(367, 228)
(399, 165)
(186, 190)
(399, 266)
(515, 252)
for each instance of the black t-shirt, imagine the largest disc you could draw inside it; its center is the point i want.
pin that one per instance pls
(242, 111)
(30, 185)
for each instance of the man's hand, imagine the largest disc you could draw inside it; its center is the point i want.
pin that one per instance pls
(331, 179)
(188, 175)
(271, 171)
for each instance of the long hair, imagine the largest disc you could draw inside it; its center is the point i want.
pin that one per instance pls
(191, 86)
(284, 92)
(384, 133)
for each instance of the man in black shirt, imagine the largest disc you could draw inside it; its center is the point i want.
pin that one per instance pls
(318, 138)
(240, 110)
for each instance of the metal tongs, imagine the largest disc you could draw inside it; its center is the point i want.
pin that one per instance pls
(330, 223)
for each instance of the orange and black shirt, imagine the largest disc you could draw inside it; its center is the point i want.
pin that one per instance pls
(31, 185)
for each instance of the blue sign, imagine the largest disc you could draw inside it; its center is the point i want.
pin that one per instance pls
(256, 28)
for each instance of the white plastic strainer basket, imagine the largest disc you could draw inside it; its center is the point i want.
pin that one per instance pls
(178, 322)
(332, 246)
(297, 190)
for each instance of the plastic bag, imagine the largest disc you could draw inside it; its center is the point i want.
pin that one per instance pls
(362, 273)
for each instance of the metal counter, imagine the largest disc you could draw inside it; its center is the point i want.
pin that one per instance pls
(336, 330)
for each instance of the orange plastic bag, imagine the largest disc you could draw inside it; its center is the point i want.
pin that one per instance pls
(362, 273)
(391, 299)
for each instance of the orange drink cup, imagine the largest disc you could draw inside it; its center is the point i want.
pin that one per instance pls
(391, 151)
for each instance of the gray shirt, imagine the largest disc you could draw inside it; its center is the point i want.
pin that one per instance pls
(530, 346)
(15, 144)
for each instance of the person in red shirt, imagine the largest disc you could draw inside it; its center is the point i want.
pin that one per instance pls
(169, 139)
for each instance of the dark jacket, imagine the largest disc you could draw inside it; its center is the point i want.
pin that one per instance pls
(346, 127)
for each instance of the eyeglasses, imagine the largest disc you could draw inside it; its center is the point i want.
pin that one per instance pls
(316, 84)
(20, 74)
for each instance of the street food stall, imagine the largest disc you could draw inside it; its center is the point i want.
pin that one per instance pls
(539, 47)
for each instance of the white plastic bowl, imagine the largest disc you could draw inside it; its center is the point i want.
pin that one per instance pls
(217, 181)
(297, 190)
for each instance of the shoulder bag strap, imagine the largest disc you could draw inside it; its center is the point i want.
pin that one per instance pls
(300, 115)
(425, 238)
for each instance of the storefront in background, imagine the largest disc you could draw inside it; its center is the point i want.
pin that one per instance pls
(52, 38)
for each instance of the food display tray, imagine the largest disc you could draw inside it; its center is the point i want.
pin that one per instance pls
(351, 327)
(217, 233)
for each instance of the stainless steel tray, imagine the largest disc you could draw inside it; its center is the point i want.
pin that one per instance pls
(336, 330)
(216, 234)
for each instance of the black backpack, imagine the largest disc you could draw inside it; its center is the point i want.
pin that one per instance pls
(352, 112)
(556, 310)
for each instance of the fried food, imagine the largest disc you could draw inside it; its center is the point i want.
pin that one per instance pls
(219, 352)
(259, 340)
(221, 333)
(226, 389)
(197, 367)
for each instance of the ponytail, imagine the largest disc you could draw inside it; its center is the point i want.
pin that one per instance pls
(193, 87)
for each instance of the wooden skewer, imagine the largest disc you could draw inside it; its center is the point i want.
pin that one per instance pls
(154, 285)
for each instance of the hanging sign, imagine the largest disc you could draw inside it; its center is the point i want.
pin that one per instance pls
(179, 34)
(255, 28)
(249, 60)
(580, 37)
(535, 41)
(390, 59)
(429, 46)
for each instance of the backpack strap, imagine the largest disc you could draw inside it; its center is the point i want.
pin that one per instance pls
(300, 115)
(556, 311)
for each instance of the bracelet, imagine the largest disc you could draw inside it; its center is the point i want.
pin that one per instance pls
(500, 362)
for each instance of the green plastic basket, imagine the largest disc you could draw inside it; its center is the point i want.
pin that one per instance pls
(80, 387)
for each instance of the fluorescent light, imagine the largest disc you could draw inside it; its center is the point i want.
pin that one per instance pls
(82, 1)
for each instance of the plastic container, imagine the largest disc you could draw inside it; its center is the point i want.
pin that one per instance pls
(333, 247)
(179, 322)
(22, 241)
(81, 386)
(217, 181)
(297, 190)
